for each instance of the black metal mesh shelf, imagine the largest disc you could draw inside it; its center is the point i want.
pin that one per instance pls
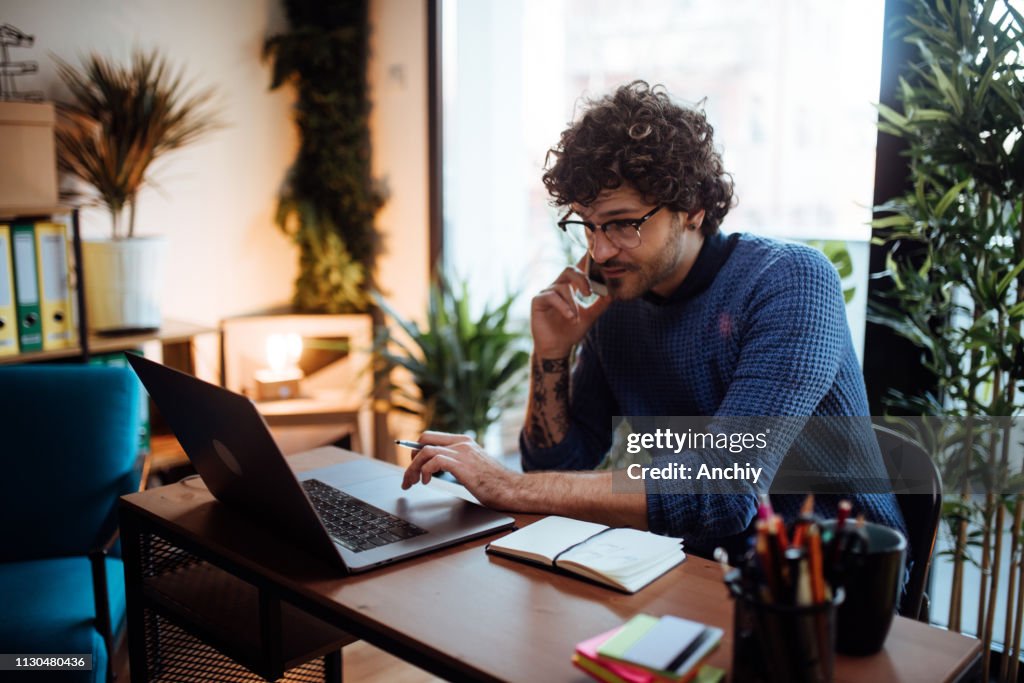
(202, 623)
(175, 656)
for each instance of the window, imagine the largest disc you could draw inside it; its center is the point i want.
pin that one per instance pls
(788, 86)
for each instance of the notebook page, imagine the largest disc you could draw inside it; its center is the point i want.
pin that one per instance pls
(547, 537)
(624, 554)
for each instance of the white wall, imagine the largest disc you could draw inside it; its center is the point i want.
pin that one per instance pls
(216, 199)
(398, 123)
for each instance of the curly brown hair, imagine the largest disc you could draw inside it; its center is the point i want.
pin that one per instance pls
(639, 136)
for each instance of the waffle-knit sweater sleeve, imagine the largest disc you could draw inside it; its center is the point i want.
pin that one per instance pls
(791, 335)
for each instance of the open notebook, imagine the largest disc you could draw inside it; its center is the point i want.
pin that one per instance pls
(625, 559)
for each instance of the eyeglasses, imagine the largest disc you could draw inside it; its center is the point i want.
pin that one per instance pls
(623, 233)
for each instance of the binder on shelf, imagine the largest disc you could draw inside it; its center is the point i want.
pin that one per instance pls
(8, 315)
(55, 295)
(26, 287)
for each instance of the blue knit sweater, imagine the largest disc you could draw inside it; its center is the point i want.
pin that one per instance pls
(758, 328)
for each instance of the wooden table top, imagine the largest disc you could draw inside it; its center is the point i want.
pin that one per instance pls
(495, 618)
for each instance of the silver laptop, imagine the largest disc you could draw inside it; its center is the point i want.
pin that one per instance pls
(354, 514)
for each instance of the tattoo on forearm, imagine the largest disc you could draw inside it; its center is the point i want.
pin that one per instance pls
(548, 416)
(535, 427)
(555, 366)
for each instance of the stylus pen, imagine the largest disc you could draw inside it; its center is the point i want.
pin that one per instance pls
(415, 445)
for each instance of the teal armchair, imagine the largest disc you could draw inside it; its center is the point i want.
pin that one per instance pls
(69, 449)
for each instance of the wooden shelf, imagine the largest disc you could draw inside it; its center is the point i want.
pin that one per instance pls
(323, 407)
(15, 212)
(171, 332)
(165, 452)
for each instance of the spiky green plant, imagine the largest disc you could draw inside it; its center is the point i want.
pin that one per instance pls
(121, 118)
(466, 369)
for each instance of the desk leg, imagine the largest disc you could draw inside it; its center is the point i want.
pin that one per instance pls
(131, 548)
(332, 667)
(270, 632)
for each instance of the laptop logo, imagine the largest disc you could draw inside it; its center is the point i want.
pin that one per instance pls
(227, 457)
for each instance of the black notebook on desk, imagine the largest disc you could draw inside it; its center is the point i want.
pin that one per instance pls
(621, 558)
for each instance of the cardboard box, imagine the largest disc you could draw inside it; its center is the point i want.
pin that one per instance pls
(28, 155)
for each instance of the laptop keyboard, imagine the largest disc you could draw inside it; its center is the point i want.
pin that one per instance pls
(354, 524)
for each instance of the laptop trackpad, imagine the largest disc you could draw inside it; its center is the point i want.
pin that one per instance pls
(382, 487)
(345, 474)
(421, 505)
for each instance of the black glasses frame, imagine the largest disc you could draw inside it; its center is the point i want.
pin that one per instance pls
(617, 223)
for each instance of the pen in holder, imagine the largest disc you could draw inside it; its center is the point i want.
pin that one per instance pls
(784, 617)
(780, 643)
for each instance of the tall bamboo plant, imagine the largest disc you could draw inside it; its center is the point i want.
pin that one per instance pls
(956, 262)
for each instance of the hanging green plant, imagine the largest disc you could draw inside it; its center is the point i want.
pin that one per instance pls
(329, 200)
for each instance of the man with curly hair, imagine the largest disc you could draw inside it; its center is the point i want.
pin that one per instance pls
(693, 323)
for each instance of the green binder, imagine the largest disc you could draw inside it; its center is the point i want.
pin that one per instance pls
(26, 287)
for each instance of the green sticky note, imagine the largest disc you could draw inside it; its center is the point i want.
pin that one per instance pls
(634, 629)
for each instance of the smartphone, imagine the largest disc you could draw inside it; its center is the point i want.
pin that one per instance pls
(596, 280)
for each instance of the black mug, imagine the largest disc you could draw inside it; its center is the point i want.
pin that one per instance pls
(872, 576)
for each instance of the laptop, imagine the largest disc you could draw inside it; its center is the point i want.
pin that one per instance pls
(353, 514)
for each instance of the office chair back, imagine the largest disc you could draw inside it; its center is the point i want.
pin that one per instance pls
(69, 440)
(911, 467)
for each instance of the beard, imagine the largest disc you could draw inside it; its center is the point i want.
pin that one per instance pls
(640, 278)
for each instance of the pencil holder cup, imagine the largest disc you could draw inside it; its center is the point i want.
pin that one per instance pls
(778, 643)
(872, 577)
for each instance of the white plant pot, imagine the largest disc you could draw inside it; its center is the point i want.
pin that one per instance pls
(123, 279)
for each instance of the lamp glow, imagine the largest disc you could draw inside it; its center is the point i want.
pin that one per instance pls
(280, 379)
(283, 352)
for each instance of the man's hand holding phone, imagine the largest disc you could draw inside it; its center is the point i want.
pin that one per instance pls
(558, 320)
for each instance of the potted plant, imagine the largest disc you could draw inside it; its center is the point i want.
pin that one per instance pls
(119, 120)
(466, 369)
(956, 263)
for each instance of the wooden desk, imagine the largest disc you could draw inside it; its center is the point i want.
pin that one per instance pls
(461, 613)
